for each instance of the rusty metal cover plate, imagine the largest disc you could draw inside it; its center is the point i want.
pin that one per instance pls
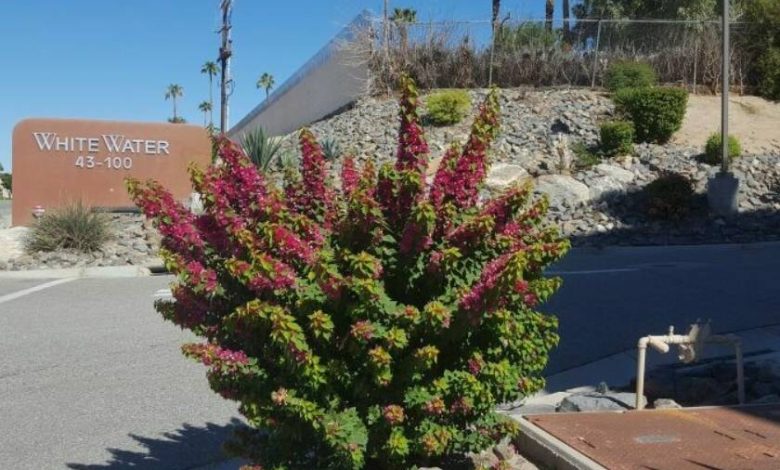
(717, 438)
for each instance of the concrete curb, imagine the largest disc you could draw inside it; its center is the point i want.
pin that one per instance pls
(103, 272)
(546, 450)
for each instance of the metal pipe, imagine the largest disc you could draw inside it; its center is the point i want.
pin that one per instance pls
(724, 116)
(640, 372)
(689, 342)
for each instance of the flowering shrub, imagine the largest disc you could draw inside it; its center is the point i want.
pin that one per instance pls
(373, 325)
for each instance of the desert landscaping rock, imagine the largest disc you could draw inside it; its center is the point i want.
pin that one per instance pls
(563, 191)
(601, 205)
(594, 401)
(134, 242)
(666, 404)
(504, 175)
(596, 206)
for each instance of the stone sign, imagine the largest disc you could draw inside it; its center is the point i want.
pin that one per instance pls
(62, 161)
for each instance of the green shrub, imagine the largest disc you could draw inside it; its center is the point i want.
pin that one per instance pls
(629, 74)
(657, 113)
(712, 150)
(585, 156)
(75, 226)
(669, 197)
(376, 325)
(769, 73)
(448, 107)
(617, 138)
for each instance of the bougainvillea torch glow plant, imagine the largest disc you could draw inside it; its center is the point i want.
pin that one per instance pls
(372, 325)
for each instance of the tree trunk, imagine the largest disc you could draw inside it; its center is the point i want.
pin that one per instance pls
(404, 40)
(211, 98)
(174, 108)
(549, 11)
(496, 13)
(566, 25)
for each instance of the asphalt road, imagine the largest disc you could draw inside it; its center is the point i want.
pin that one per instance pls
(612, 297)
(92, 378)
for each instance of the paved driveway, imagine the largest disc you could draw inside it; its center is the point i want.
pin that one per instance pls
(91, 377)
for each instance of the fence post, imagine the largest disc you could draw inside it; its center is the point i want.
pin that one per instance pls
(596, 57)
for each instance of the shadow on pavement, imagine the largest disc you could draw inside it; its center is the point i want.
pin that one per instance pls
(185, 448)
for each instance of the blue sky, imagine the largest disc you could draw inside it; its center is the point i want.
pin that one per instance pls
(112, 59)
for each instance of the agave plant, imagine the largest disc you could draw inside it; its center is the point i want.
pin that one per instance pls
(331, 149)
(261, 148)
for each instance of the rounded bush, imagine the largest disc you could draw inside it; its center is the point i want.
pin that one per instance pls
(629, 74)
(712, 150)
(73, 227)
(669, 197)
(657, 113)
(617, 137)
(376, 325)
(448, 107)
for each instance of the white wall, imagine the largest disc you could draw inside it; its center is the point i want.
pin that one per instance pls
(332, 79)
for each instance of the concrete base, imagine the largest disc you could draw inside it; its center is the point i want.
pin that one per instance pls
(723, 194)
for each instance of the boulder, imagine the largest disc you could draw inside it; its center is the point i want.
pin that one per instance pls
(593, 401)
(563, 190)
(503, 175)
(610, 181)
(666, 404)
(615, 172)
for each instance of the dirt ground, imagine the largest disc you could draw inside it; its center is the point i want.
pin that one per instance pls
(755, 121)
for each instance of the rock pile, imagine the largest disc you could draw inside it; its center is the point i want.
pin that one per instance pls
(597, 205)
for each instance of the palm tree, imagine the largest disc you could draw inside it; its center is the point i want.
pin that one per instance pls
(403, 17)
(549, 11)
(494, 24)
(205, 108)
(496, 12)
(266, 82)
(212, 69)
(174, 91)
(566, 25)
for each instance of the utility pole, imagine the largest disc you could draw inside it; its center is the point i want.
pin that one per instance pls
(723, 187)
(385, 32)
(225, 52)
(724, 112)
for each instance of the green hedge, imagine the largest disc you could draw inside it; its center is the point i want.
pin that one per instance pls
(657, 113)
(628, 74)
(617, 138)
(448, 107)
(712, 150)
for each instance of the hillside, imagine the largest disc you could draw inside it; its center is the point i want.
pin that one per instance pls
(599, 203)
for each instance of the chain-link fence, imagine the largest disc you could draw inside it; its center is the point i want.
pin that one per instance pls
(536, 53)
